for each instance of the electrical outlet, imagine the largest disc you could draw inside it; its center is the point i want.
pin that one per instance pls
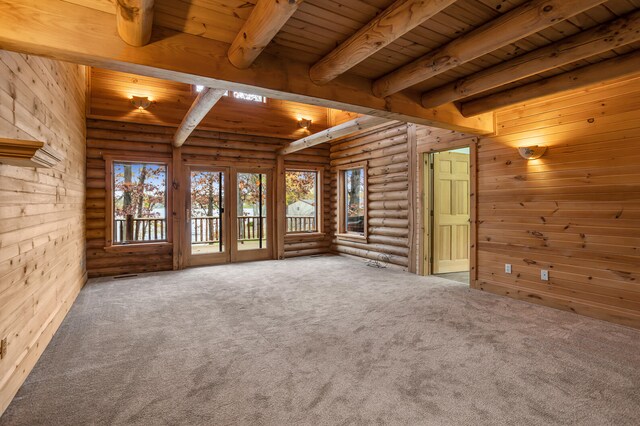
(3, 348)
(507, 268)
(544, 275)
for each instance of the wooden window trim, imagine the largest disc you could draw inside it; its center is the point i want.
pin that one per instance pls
(319, 232)
(109, 160)
(342, 233)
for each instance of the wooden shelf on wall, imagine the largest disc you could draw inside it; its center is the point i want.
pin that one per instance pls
(26, 153)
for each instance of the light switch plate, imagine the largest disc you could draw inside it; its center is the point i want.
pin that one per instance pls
(544, 275)
(507, 268)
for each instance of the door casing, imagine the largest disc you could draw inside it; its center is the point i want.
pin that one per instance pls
(424, 180)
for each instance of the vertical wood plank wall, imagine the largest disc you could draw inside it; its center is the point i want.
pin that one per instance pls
(386, 151)
(42, 242)
(574, 212)
(204, 147)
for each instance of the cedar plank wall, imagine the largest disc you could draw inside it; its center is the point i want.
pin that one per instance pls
(207, 147)
(386, 151)
(42, 246)
(575, 211)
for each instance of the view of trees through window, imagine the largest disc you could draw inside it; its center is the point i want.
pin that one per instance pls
(354, 199)
(139, 202)
(252, 210)
(301, 199)
(207, 204)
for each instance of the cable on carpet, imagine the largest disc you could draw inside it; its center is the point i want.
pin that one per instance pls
(381, 262)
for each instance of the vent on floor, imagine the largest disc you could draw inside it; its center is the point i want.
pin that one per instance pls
(117, 277)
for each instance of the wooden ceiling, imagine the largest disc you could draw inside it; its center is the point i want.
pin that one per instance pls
(319, 25)
(458, 40)
(109, 94)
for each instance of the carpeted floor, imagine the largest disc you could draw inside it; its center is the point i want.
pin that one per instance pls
(323, 341)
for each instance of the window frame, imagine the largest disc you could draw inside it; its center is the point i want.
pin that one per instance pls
(319, 170)
(109, 204)
(342, 225)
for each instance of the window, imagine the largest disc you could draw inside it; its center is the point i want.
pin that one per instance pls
(197, 88)
(302, 200)
(353, 200)
(249, 97)
(139, 202)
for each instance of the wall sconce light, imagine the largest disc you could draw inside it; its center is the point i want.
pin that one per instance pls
(304, 123)
(532, 152)
(141, 102)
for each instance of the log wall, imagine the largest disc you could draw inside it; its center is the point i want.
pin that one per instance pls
(122, 140)
(317, 243)
(42, 266)
(386, 151)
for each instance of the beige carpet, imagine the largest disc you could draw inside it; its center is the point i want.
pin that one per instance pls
(324, 341)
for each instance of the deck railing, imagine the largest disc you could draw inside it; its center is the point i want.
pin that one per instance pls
(206, 229)
(249, 228)
(147, 229)
(301, 224)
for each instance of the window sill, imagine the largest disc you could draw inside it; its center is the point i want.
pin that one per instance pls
(138, 247)
(305, 235)
(352, 237)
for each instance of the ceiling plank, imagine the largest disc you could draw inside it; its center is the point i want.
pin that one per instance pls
(531, 17)
(33, 27)
(199, 109)
(588, 43)
(263, 24)
(618, 67)
(352, 126)
(397, 20)
(134, 20)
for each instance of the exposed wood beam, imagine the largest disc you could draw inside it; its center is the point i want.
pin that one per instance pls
(621, 66)
(33, 27)
(134, 19)
(397, 20)
(531, 17)
(352, 126)
(266, 19)
(580, 46)
(200, 107)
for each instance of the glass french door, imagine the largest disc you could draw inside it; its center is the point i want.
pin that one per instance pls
(207, 216)
(252, 231)
(228, 215)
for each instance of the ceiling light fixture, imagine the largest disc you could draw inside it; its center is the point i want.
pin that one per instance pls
(141, 102)
(532, 152)
(304, 123)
